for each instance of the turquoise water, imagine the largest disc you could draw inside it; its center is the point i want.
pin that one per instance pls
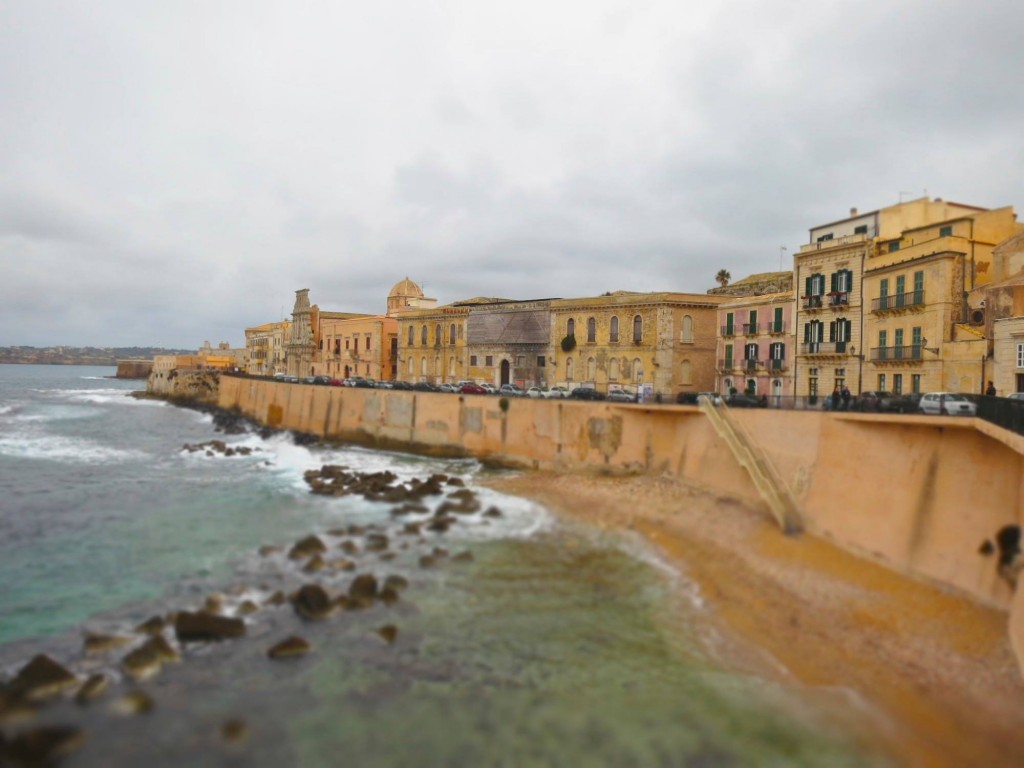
(555, 645)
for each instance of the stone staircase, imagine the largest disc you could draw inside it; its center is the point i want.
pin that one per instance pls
(772, 487)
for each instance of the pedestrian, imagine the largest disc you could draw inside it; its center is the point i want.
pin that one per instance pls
(991, 390)
(846, 398)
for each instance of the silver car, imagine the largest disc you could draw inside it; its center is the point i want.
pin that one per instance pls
(947, 404)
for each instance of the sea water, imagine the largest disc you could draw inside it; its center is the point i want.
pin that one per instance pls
(556, 645)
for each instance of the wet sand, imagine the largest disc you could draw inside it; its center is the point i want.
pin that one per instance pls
(936, 667)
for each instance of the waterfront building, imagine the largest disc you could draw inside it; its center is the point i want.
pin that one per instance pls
(224, 357)
(431, 343)
(922, 333)
(756, 344)
(660, 342)
(265, 347)
(829, 275)
(361, 345)
(508, 342)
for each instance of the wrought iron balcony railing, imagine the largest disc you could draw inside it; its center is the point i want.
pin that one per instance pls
(890, 354)
(898, 301)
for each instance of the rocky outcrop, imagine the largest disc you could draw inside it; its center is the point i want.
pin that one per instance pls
(201, 627)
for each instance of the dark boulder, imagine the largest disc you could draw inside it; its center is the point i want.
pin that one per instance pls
(290, 648)
(363, 587)
(40, 678)
(42, 746)
(311, 545)
(202, 627)
(312, 602)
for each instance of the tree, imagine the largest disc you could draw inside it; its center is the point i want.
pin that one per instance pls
(723, 277)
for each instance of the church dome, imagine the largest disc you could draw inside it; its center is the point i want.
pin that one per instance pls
(405, 288)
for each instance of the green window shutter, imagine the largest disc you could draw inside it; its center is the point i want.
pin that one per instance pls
(883, 287)
(808, 285)
(807, 334)
(728, 323)
(832, 331)
(778, 319)
(833, 278)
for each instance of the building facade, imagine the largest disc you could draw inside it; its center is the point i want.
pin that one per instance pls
(662, 343)
(756, 345)
(264, 345)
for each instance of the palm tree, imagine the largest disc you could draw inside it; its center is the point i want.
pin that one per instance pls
(723, 277)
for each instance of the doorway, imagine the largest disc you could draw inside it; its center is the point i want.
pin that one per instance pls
(505, 372)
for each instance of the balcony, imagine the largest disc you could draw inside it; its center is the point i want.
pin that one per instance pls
(834, 242)
(777, 329)
(728, 364)
(728, 331)
(751, 365)
(811, 302)
(825, 348)
(750, 329)
(897, 354)
(898, 301)
(777, 365)
(839, 299)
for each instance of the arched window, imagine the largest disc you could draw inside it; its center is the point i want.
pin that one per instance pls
(437, 366)
(423, 361)
(451, 334)
(412, 366)
(613, 368)
(686, 334)
(412, 332)
(685, 373)
(423, 335)
(591, 330)
(613, 333)
(591, 369)
(638, 370)
(437, 335)
(568, 369)
(570, 327)
(638, 329)
(451, 363)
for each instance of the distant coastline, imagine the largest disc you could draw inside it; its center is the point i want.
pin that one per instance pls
(62, 355)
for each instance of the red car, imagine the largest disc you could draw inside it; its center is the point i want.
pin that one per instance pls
(472, 389)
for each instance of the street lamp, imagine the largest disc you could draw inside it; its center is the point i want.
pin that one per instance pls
(933, 350)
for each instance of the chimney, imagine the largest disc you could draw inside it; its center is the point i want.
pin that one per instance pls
(853, 212)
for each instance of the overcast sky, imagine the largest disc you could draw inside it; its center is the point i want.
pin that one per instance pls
(171, 172)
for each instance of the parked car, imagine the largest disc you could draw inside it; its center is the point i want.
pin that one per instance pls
(879, 401)
(337, 383)
(557, 392)
(490, 389)
(744, 400)
(541, 393)
(908, 403)
(290, 379)
(353, 381)
(469, 388)
(585, 393)
(947, 403)
(384, 384)
(309, 379)
(323, 381)
(1015, 396)
(621, 396)
(510, 390)
(424, 386)
(446, 387)
(404, 385)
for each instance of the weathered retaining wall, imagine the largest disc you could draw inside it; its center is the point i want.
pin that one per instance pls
(185, 384)
(920, 494)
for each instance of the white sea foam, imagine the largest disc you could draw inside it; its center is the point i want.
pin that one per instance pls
(64, 449)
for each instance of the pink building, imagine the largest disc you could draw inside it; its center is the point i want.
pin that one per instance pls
(756, 345)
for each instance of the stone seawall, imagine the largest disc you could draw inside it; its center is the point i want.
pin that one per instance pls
(926, 496)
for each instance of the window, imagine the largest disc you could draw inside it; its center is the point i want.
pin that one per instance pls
(423, 336)
(777, 322)
(919, 287)
(685, 373)
(815, 284)
(423, 361)
(814, 332)
(568, 369)
(591, 330)
(777, 354)
(901, 288)
(897, 384)
(946, 231)
(750, 352)
(728, 355)
(356, 342)
(410, 366)
(915, 383)
(451, 366)
(451, 333)
(915, 340)
(686, 334)
(898, 343)
(883, 289)
(540, 361)
(613, 334)
(638, 372)
(862, 229)
(825, 238)
(894, 246)
(812, 383)
(728, 324)
(840, 332)
(881, 382)
(1020, 355)
(638, 329)
(472, 360)
(412, 333)
(842, 281)
(591, 369)
(437, 335)
(520, 361)
(570, 327)
(752, 321)
(883, 339)
(489, 361)
(613, 369)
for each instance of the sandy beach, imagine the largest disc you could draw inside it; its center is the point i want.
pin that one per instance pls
(935, 666)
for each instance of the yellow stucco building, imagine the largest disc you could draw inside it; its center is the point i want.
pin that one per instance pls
(265, 347)
(662, 342)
